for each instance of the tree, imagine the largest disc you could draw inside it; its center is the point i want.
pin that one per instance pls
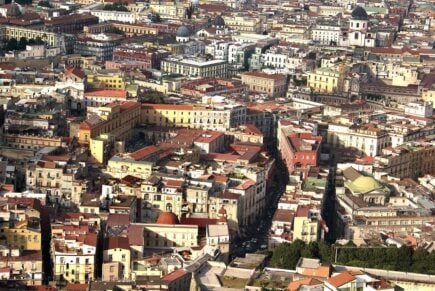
(12, 44)
(403, 259)
(115, 7)
(38, 40)
(287, 255)
(311, 250)
(22, 43)
(44, 3)
(325, 252)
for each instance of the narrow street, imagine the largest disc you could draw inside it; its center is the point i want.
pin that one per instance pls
(328, 207)
(257, 236)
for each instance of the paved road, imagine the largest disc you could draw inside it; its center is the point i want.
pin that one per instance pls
(257, 237)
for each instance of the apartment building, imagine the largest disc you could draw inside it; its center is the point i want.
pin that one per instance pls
(195, 67)
(23, 267)
(274, 85)
(120, 166)
(106, 80)
(24, 234)
(326, 33)
(106, 15)
(169, 9)
(197, 197)
(31, 142)
(158, 197)
(367, 138)
(233, 205)
(299, 150)
(59, 181)
(306, 224)
(325, 80)
(168, 233)
(73, 251)
(217, 117)
(69, 23)
(51, 38)
(117, 256)
(244, 23)
(118, 119)
(412, 159)
(101, 46)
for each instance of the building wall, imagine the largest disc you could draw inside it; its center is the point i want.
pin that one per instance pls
(121, 168)
(24, 238)
(324, 81)
(119, 124)
(33, 267)
(166, 236)
(31, 142)
(369, 142)
(186, 68)
(51, 38)
(271, 86)
(123, 256)
(197, 199)
(74, 267)
(108, 82)
(305, 229)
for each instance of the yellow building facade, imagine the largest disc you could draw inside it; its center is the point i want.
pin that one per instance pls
(118, 119)
(167, 114)
(324, 80)
(108, 80)
(119, 167)
(21, 236)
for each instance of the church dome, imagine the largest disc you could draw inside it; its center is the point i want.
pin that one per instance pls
(183, 31)
(364, 184)
(219, 21)
(359, 13)
(167, 218)
(13, 10)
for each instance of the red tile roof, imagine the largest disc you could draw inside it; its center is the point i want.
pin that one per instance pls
(174, 183)
(107, 93)
(229, 195)
(75, 71)
(265, 75)
(302, 211)
(341, 279)
(7, 188)
(76, 287)
(117, 219)
(200, 222)
(221, 157)
(174, 276)
(91, 239)
(135, 235)
(144, 152)
(295, 285)
(167, 106)
(322, 271)
(251, 130)
(117, 242)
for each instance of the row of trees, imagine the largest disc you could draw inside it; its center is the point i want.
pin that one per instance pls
(116, 7)
(21, 2)
(45, 3)
(13, 44)
(403, 259)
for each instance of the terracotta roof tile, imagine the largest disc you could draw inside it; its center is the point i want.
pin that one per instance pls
(341, 279)
(106, 93)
